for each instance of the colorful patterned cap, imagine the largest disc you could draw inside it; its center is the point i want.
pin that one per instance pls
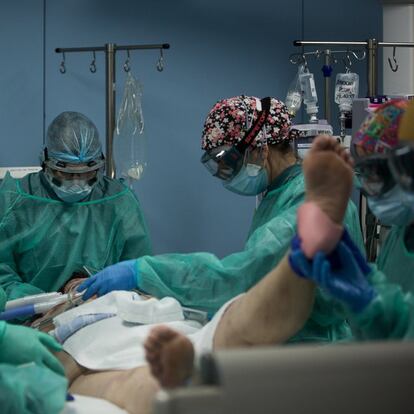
(226, 123)
(379, 132)
(406, 130)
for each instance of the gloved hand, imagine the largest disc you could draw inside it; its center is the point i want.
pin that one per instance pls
(358, 256)
(342, 273)
(19, 345)
(346, 238)
(120, 276)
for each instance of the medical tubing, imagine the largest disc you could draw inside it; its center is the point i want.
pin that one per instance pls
(28, 300)
(30, 310)
(19, 312)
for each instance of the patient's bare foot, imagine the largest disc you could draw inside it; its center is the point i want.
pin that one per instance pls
(328, 175)
(170, 356)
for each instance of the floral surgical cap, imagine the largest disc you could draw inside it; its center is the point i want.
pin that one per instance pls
(226, 123)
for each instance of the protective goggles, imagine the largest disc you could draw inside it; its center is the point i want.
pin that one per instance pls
(378, 174)
(402, 166)
(374, 176)
(226, 161)
(63, 179)
(71, 168)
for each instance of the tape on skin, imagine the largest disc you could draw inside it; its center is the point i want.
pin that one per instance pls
(316, 230)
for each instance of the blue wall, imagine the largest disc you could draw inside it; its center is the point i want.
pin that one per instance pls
(21, 82)
(218, 49)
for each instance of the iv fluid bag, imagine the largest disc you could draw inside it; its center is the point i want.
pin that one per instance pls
(310, 97)
(346, 90)
(307, 85)
(293, 99)
(129, 140)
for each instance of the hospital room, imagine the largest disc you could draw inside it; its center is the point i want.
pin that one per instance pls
(206, 207)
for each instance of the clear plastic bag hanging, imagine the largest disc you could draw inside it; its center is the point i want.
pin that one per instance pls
(129, 141)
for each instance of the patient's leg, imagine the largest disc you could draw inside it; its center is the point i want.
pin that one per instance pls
(132, 390)
(170, 355)
(328, 176)
(278, 306)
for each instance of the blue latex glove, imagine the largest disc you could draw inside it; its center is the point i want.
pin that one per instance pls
(345, 280)
(358, 256)
(20, 345)
(342, 273)
(302, 266)
(120, 276)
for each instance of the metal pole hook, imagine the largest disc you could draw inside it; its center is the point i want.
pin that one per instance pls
(393, 66)
(347, 62)
(359, 54)
(62, 67)
(127, 65)
(305, 62)
(92, 66)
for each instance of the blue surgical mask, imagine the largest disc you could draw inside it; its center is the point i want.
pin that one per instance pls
(251, 180)
(395, 207)
(70, 191)
(73, 193)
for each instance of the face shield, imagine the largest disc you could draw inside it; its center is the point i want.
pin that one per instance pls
(72, 158)
(378, 174)
(223, 162)
(252, 178)
(374, 176)
(402, 166)
(72, 182)
(226, 161)
(62, 171)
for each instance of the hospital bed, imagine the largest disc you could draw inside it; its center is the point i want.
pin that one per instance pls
(18, 172)
(340, 379)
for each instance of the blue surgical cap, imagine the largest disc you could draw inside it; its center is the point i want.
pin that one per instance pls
(73, 138)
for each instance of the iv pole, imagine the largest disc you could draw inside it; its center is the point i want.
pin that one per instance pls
(371, 46)
(110, 50)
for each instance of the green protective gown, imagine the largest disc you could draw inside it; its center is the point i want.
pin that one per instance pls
(31, 389)
(28, 387)
(201, 280)
(3, 299)
(43, 241)
(390, 315)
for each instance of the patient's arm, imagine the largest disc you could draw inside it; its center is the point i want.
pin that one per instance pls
(270, 312)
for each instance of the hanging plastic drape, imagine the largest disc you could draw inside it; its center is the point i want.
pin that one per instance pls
(129, 141)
